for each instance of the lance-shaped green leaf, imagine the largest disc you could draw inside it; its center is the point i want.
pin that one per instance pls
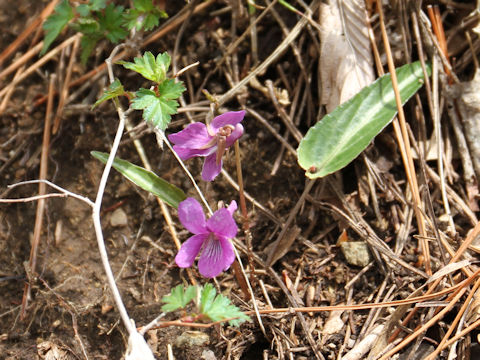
(145, 179)
(343, 134)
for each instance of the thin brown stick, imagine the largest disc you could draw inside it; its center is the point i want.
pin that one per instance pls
(41, 62)
(402, 138)
(156, 35)
(457, 319)
(425, 326)
(31, 28)
(21, 60)
(64, 91)
(41, 191)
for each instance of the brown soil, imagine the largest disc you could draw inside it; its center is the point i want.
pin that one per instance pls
(71, 314)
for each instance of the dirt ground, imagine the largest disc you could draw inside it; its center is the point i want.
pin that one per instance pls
(71, 314)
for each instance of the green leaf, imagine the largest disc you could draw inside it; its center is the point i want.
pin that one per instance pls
(144, 15)
(143, 5)
(114, 90)
(157, 110)
(218, 308)
(86, 25)
(178, 298)
(93, 5)
(343, 134)
(149, 67)
(55, 23)
(97, 5)
(171, 90)
(111, 23)
(145, 179)
(87, 43)
(83, 10)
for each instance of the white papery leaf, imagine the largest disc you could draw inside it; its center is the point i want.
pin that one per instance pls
(138, 348)
(345, 54)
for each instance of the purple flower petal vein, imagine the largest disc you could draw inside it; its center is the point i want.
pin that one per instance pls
(211, 238)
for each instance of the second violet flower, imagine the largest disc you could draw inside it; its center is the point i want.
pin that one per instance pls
(209, 141)
(211, 238)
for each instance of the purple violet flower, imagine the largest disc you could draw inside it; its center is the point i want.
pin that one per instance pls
(210, 141)
(211, 238)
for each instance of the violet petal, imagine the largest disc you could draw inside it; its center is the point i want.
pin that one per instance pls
(222, 223)
(189, 250)
(228, 252)
(216, 256)
(229, 118)
(193, 136)
(232, 207)
(191, 215)
(187, 153)
(210, 167)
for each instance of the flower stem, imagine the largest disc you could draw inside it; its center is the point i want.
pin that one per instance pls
(188, 173)
(243, 208)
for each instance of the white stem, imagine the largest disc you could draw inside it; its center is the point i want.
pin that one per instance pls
(98, 226)
(98, 204)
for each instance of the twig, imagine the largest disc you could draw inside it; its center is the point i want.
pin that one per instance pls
(41, 62)
(264, 65)
(56, 187)
(182, 164)
(251, 199)
(41, 191)
(64, 92)
(21, 60)
(30, 28)
(136, 342)
(402, 138)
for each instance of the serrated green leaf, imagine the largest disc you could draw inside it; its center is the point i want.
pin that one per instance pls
(55, 23)
(149, 67)
(150, 21)
(83, 10)
(157, 110)
(144, 15)
(218, 308)
(143, 5)
(206, 298)
(87, 44)
(114, 90)
(343, 134)
(111, 23)
(97, 5)
(178, 298)
(171, 90)
(145, 179)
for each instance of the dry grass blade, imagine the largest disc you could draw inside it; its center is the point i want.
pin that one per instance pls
(33, 26)
(404, 142)
(41, 191)
(282, 64)
(42, 61)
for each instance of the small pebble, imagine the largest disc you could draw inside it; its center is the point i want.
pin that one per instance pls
(118, 218)
(192, 339)
(356, 253)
